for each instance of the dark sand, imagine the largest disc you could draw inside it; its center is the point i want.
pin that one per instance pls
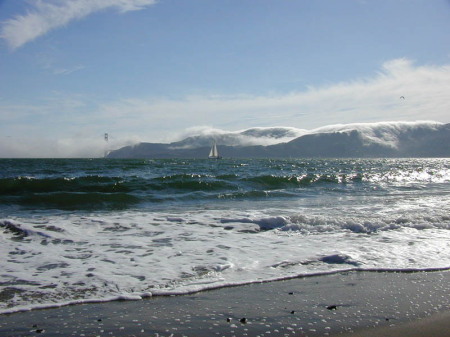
(351, 303)
(436, 325)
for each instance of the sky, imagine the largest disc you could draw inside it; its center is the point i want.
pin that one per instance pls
(157, 70)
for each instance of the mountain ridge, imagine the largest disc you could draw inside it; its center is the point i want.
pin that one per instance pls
(387, 139)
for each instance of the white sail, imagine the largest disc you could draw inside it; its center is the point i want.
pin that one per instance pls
(213, 153)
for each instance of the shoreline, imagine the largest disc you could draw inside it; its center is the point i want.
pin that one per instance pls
(345, 303)
(146, 295)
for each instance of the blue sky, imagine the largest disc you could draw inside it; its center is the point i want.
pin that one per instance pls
(145, 70)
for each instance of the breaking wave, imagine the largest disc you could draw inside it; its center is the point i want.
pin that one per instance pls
(75, 231)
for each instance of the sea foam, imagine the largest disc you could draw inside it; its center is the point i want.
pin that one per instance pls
(198, 225)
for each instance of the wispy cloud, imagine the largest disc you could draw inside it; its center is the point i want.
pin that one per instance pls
(46, 15)
(67, 71)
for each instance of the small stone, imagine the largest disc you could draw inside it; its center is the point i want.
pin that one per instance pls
(291, 293)
(332, 307)
(39, 330)
(243, 320)
(293, 312)
(229, 319)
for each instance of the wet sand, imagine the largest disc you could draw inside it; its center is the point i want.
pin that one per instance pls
(437, 325)
(350, 303)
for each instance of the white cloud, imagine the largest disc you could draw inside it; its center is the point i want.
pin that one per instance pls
(382, 133)
(368, 100)
(46, 15)
(375, 99)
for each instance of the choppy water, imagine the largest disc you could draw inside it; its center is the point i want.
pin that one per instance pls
(82, 230)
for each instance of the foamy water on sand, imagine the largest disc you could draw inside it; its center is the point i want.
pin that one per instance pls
(76, 230)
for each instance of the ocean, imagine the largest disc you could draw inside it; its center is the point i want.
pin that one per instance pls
(80, 230)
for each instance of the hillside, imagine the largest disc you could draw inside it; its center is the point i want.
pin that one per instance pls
(399, 139)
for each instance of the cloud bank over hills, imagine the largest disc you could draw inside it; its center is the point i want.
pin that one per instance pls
(384, 139)
(72, 125)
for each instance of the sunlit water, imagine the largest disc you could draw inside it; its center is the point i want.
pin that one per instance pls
(82, 230)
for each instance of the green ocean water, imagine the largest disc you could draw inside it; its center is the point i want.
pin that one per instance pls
(83, 184)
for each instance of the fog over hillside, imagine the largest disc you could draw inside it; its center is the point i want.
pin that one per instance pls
(204, 136)
(390, 139)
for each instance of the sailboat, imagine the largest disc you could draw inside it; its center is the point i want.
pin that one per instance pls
(214, 154)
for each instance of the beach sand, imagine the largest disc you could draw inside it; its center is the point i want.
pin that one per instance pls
(436, 325)
(348, 303)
